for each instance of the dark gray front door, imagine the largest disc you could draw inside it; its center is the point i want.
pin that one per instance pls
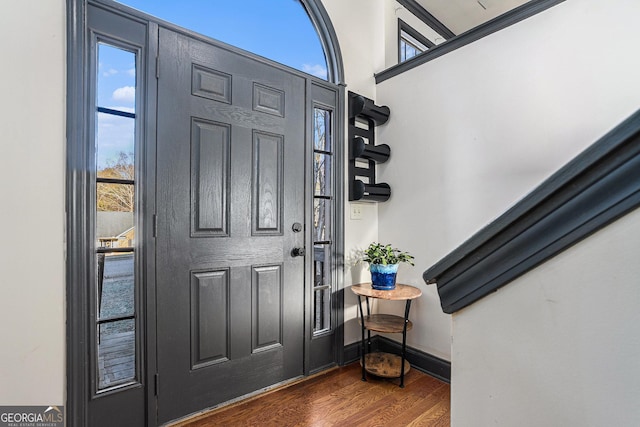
(230, 185)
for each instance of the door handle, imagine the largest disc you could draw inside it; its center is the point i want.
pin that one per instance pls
(298, 252)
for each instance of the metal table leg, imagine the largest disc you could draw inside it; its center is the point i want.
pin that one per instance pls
(363, 346)
(404, 341)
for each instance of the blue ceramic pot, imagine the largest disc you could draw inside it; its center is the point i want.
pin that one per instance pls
(383, 277)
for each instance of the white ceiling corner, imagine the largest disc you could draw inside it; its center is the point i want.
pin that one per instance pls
(462, 15)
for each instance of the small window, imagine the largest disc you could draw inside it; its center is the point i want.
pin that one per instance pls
(410, 42)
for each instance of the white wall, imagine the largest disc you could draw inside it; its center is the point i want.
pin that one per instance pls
(357, 24)
(367, 33)
(559, 346)
(32, 118)
(475, 130)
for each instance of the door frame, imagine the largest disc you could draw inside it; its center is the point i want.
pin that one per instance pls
(79, 209)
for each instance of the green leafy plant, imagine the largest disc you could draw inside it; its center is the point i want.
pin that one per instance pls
(377, 253)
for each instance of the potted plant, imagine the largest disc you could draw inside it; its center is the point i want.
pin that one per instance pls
(383, 264)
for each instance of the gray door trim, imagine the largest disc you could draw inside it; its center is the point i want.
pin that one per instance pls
(80, 179)
(335, 338)
(328, 38)
(76, 216)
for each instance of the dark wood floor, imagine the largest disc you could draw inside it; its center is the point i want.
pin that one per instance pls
(340, 398)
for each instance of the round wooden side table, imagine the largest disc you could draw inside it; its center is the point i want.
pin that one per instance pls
(385, 364)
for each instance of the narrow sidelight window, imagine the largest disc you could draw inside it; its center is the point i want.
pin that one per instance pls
(115, 286)
(323, 205)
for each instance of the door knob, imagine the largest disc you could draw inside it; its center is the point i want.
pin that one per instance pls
(298, 252)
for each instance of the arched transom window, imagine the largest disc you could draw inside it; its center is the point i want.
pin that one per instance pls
(280, 30)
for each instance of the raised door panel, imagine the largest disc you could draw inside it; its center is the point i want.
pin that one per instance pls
(209, 318)
(210, 169)
(267, 182)
(267, 307)
(268, 100)
(211, 84)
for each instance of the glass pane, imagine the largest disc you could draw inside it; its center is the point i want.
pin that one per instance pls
(321, 129)
(408, 51)
(115, 142)
(322, 288)
(322, 310)
(115, 218)
(115, 197)
(116, 78)
(321, 220)
(322, 174)
(116, 353)
(115, 229)
(403, 50)
(321, 265)
(116, 284)
(411, 52)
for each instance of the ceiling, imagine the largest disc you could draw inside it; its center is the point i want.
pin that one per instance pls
(462, 15)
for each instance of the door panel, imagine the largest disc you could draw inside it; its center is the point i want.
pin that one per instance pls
(210, 168)
(210, 317)
(230, 161)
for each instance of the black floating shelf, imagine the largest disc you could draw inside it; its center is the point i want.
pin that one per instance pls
(377, 153)
(365, 108)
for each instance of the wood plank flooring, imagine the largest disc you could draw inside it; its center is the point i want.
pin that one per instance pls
(340, 398)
